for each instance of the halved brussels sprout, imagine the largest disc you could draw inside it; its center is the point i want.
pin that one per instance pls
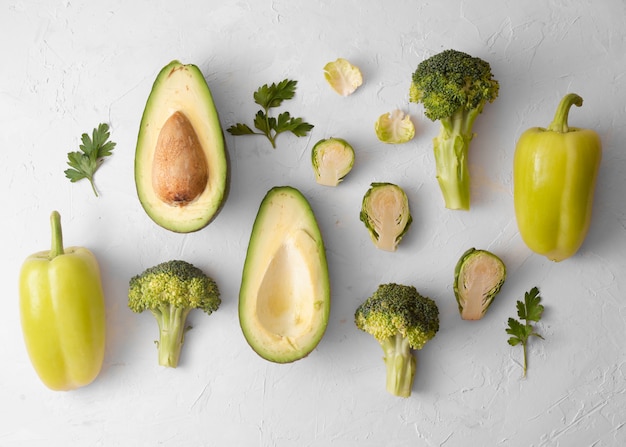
(343, 77)
(394, 128)
(332, 159)
(478, 277)
(386, 215)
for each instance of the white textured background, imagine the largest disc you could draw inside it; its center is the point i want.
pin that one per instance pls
(69, 65)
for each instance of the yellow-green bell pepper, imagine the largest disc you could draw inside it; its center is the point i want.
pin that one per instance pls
(554, 177)
(62, 312)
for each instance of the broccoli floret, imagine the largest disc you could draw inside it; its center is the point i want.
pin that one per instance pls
(400, 319)
(170, 291)
(453, 87)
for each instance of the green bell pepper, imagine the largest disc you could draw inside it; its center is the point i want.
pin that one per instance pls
(63, 313)
(554, 178)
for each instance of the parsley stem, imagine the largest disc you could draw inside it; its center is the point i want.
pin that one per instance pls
(93, 186)
(269, 135)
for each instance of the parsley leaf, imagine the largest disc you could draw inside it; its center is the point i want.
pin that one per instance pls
(529, 311)
(269, 97)
(85, 163)
(241, 129)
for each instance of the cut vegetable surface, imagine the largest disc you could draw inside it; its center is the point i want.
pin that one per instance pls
(181, 162)
(386, 215)
(332, 159)
(284, 300)
(394, 128)
(478, 277)
(343, 77)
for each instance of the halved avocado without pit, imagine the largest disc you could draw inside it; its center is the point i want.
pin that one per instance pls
(181, 161)
(284, 300)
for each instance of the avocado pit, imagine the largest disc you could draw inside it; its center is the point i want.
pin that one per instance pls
(179, 168)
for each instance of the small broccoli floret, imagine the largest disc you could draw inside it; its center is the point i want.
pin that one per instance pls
(453, 87)
(400, 319)
(170, 291)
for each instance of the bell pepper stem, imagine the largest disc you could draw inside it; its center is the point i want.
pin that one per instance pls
(559, 123)
(57, 235)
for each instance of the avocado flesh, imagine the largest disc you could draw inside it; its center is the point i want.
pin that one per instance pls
(284, 300)
(188, 198)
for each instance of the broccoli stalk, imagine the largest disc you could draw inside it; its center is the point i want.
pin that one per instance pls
(401, 320)
(172, 327)
(451, 149)
(170, 291)
(400, 363)
(453, 87)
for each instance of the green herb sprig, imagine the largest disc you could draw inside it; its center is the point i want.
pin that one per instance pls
(269, 97)
(85, 163)
(529, 311)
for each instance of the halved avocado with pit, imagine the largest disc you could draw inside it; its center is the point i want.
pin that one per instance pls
(181, 161)
(284, 300)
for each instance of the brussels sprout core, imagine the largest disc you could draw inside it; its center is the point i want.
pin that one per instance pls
(478, 277)
(332, 159)
(385, 213)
